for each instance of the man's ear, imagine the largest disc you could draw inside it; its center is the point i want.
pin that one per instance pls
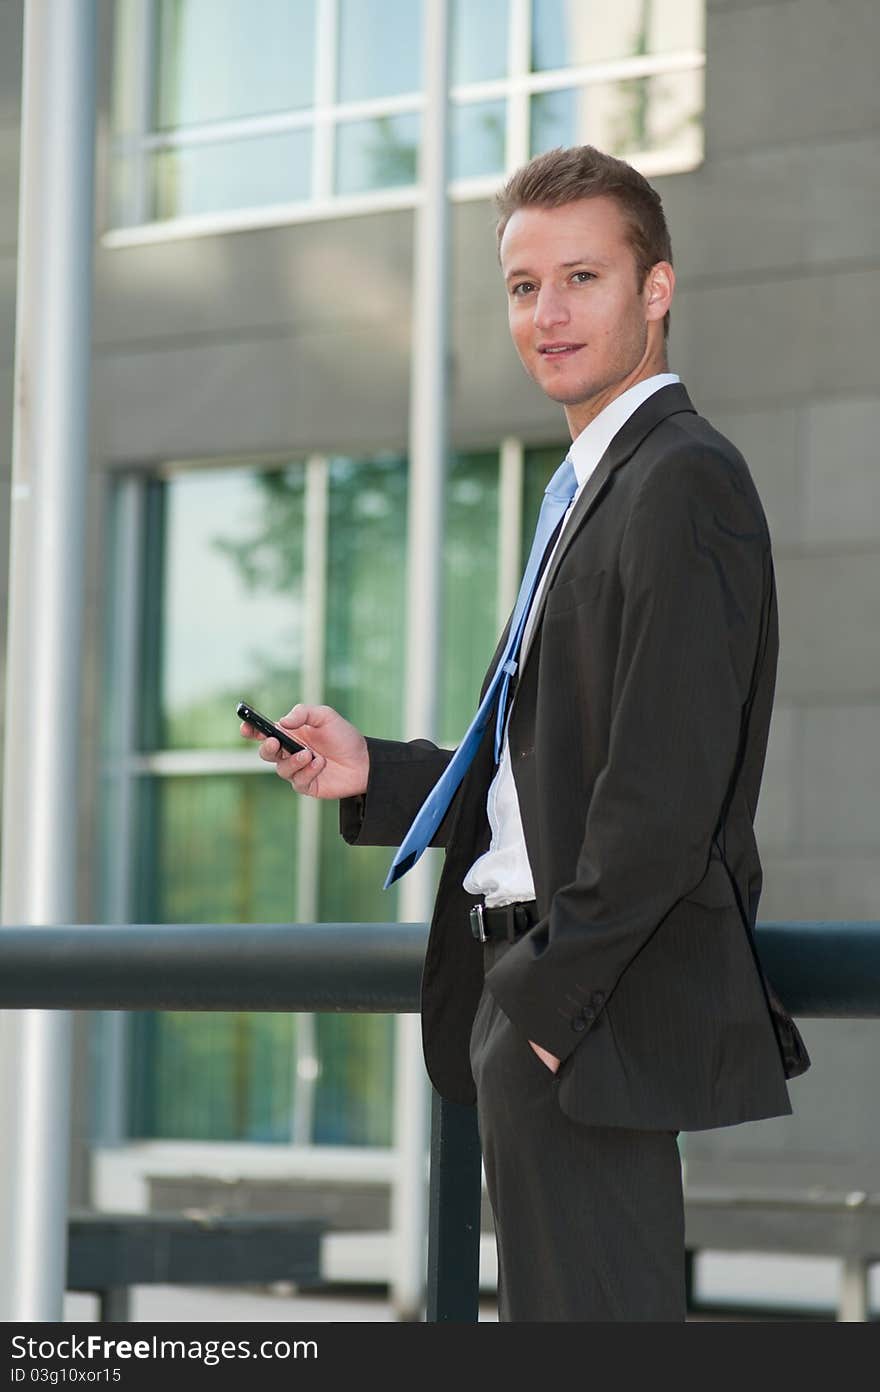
(658, 290)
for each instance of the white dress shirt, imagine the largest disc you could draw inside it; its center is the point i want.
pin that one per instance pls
(503, 874)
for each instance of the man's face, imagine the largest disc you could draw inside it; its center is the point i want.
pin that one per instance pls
(583, 327)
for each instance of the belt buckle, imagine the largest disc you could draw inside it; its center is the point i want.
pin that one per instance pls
(478, 924)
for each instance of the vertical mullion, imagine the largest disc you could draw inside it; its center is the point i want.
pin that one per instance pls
(324, 161)
(124, 639)
(519, 67)
(305, 1061)
(145, 29)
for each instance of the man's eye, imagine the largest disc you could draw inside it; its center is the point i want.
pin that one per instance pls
(522, 287)
(587, 276)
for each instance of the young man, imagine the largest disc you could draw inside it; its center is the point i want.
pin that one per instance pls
(591, 978)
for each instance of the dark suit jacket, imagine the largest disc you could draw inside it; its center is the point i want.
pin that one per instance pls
(637, 733)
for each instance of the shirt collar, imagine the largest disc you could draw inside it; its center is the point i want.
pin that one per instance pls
(587, 448)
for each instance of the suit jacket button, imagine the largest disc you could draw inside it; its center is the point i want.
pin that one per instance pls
(588, 1013)
(597, 998)
(578, 1023)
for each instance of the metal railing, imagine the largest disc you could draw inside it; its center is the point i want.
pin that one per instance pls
(820, 970)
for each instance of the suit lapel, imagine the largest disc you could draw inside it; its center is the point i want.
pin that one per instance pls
(668, 401)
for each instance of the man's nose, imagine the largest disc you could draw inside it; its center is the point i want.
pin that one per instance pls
(549, 307)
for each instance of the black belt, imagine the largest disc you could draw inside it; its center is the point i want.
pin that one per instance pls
(509, 921)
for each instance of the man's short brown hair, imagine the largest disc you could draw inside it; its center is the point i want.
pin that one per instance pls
(566, 175)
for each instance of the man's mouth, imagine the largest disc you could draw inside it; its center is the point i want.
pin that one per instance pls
(558, 350)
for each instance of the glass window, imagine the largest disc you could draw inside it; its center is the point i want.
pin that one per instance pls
(364, 661)
(477, 137)
(354, 1097)
(232, 1077)
(379, 153)
(366, 590)
(655, 114)
(253, 173)
(568, 35)
(380, 48)
(214, 849)
(124, 190)
(222, 59)
(244, 60)
(470, 588)
(479, 40)
(128, 61)
(539, 466)
(366, 615)
(553, 116)
(231, 622)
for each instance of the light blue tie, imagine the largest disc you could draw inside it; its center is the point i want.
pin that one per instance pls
(560, 491)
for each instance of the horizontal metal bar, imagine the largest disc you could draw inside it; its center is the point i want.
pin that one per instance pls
(829, 970)
(371, 967)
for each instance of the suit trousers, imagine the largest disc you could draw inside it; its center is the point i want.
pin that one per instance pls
(589, 1220)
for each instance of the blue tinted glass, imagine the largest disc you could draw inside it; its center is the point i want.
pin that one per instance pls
(477, 138)
(479, 40)
(376, 154)
(553, 120)
(470, 588)
(549, 35)
(566, 34)
(213, 849)
(231, 544)
(659, 114)
(366, 594)
(354, 1096)
(254, 173)
(366, 615)
(221, 59)
(380, 48)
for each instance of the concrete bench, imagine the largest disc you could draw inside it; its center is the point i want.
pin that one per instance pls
(814, 1222)
(110, 1252)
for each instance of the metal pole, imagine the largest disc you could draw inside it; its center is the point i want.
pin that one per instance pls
(317, 507)
(123, 640)
(454, 1226)
(50, 473)
(427, 471)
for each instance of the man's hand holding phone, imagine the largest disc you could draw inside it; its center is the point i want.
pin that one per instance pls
(333, 761)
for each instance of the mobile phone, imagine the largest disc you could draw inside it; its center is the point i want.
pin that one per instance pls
(267, 727)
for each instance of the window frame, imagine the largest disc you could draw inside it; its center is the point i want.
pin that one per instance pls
(125, 764)
(131, 497)
(328, 114)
